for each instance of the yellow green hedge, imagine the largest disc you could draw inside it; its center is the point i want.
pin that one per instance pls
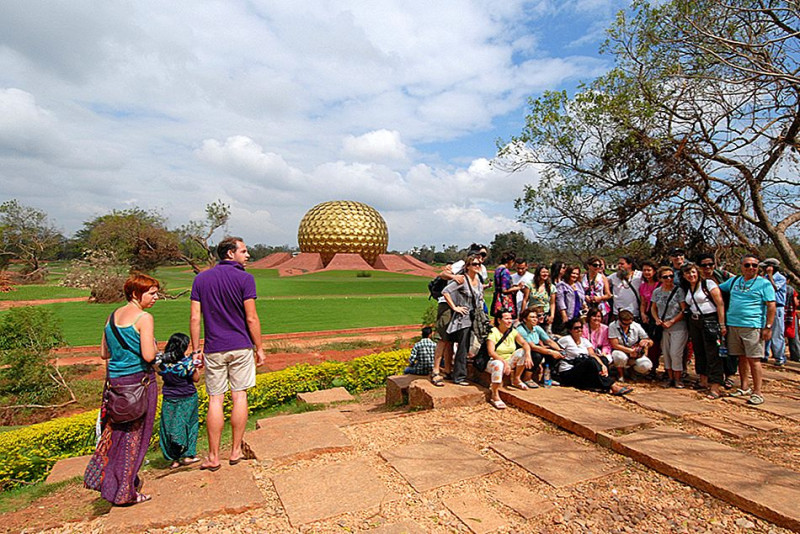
(27, 454)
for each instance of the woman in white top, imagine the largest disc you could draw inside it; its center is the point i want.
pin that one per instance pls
(706, 321)
(580, 367)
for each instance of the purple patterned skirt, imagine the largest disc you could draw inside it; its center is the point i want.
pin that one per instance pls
(114, 466)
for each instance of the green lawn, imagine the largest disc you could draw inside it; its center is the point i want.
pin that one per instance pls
(41, 292)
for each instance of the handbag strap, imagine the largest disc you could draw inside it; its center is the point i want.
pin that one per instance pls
(503, 337)
(120, 339)
(666, 305)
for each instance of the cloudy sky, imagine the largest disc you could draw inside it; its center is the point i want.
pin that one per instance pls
(275, 106)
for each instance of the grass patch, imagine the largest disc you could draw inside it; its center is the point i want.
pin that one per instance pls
(82, 323)
(20, 497)
(42, 292)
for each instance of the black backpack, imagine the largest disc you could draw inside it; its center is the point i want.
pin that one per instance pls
(436, 286)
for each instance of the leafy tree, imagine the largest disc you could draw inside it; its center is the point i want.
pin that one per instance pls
(196, 249)
(135, 236)
(260, 250)
(691, 139)
(517, 243)
(26, 234)
(27, 335)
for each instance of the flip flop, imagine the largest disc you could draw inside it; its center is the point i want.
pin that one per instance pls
(247, 454)
(500, 405)
(531, 384)
(211, 468)
(622, 392)
(189, 461)
(713, 396)
(521, 386)
(141, 497)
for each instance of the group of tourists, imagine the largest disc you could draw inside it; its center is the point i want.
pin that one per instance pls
(223, 302)
(590, 330)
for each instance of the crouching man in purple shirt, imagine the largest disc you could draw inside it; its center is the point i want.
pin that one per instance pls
(224, 299)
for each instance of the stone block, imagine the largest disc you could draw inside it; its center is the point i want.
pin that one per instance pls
(673, 403)
(558, 460)
(756, 486)
(522, 500)
(397, 388)
(322, 416)
(316, 493)
(574, 411)
(755, 422)
(403, 527)
(423, 394)
(68, 468)
(184, 496)
(475, 513)
(297, 436)
(437, 463)
(325, 396)
(731, 430)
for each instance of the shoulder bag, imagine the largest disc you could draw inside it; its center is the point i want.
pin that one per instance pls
(124, 403)
(482, 358)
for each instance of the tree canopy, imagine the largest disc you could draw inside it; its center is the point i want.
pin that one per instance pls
(690, 140)
(26, 234)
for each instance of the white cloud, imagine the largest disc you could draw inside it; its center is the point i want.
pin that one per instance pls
(378, 146)
(276, 106)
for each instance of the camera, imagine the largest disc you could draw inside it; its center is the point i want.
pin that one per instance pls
(168, 358)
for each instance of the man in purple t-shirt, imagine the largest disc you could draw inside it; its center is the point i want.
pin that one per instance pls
(224, 300)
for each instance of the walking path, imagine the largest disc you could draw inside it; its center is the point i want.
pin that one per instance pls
(367, 468)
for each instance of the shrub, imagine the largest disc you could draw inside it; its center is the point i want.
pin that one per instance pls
(101, 272)
(28, 454)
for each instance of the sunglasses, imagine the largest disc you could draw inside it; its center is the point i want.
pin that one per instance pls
(482, 254)
(577, 328)
(667, 276)
(706, 265)
(476, 264)
(595, 264)
(750, 265)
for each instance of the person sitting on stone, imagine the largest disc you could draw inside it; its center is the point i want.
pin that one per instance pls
(422, 354)
(540, 344)
(505, 356)
(629, 342)
(579, 366)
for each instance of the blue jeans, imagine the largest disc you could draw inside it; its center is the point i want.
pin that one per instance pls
(794, 343)
(777, 344)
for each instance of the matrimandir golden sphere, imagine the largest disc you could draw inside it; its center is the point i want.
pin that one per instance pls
(343, 227)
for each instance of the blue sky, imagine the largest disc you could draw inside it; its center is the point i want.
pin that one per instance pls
(274, 107)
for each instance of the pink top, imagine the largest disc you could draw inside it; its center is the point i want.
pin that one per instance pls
(598, 338)
(646, 293)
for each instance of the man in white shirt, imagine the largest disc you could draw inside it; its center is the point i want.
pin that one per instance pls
(625, 287)
(629, 344)
(522, 278)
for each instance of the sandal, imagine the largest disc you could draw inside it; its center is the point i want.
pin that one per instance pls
(437, 381)
(141, 497)
(531, 384)
(499, 404)
(189, 460)
(713, 395)
(622, 391)
(728, 383)
(741, 392)
(521, 386)
(247, 454)
(755, 399)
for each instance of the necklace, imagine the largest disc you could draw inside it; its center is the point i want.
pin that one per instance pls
(743, 287)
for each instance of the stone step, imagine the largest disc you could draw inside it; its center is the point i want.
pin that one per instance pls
(575, 411)
(298, 436)
(68, 468)
(325, 396)
(397, 388)
(423, 394)
(673, 402)
(754, 485)
(732, 430)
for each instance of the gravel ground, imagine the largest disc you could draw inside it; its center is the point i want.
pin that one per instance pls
(636, 499)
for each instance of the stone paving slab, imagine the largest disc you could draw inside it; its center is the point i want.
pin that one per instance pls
(754, 485)
(182, 497)
(781, 376)
(437, 463)
(575, 411)
(68, 468)
(755, 422)
(523, 501)
(325, 396)
(397, 388)
(336, 417)
(403, 527)
(782, 406)
(297, 436)
(557, 460)
(732, 430)
(672, 402)
(475, 513)
(316, 493)
(423, 394)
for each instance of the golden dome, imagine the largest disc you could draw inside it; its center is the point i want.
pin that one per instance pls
(343, 226)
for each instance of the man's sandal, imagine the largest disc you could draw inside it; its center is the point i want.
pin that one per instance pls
(436, 380)
(741, 393)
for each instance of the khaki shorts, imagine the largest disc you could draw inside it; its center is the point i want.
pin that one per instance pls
(443, 315)
(235, 367)
(745, 342)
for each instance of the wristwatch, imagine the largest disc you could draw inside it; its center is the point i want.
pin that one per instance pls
(767, 327)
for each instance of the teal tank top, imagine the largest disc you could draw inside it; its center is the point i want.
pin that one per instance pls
(123, 362)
